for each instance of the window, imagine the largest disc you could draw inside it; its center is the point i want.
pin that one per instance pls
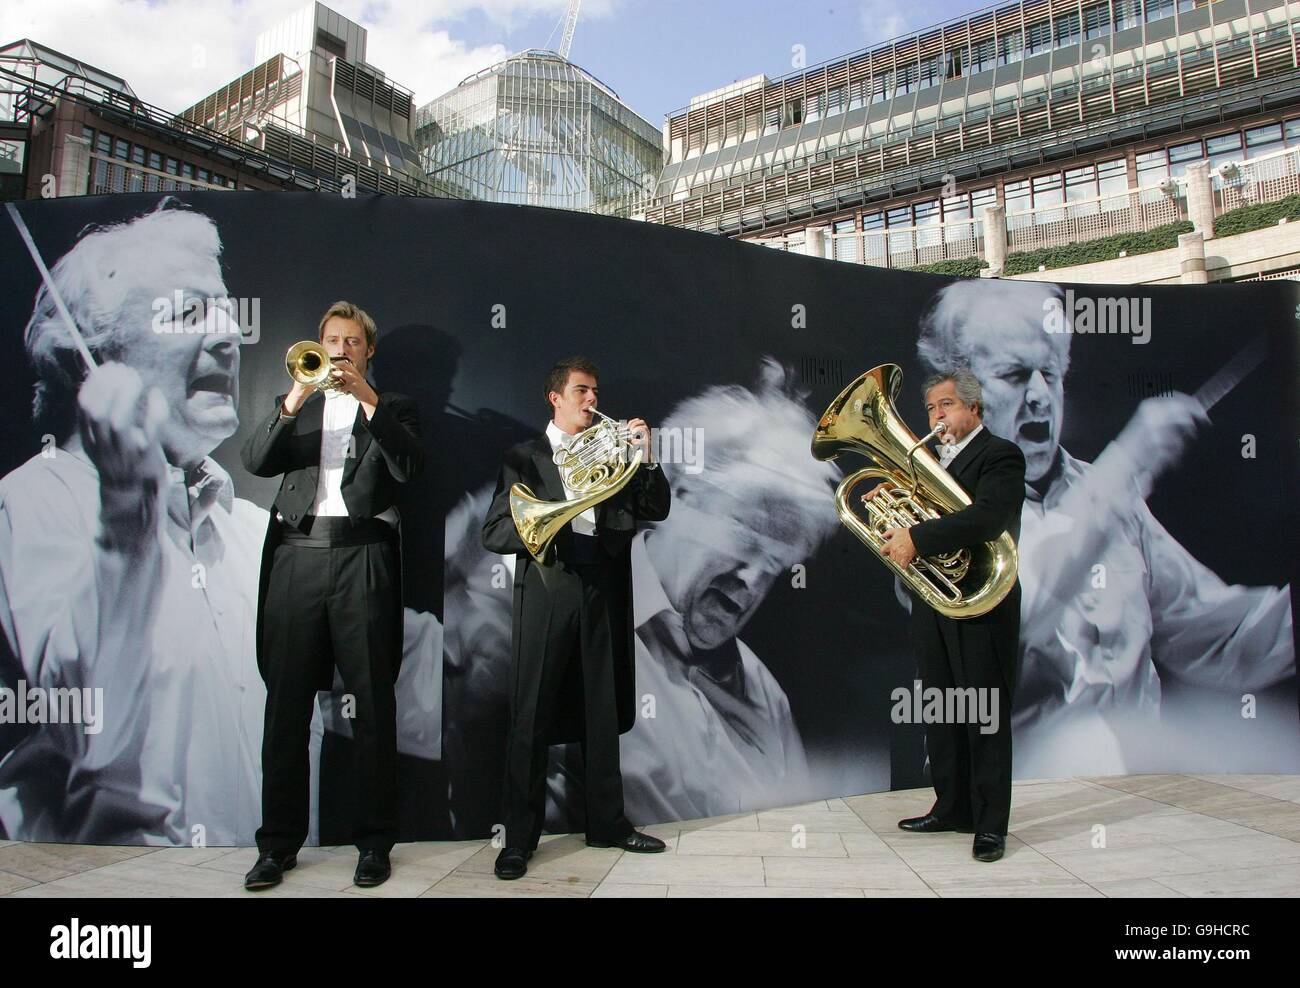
(907, 77)
(121, 149)
(1080, 183)
(155, 161)
(1264, 140)
(1067, 30)
(1156, 9)
(929, 73)
(1096, 21)
(1010, 48)
(1047, 190)
(981, 56)
(882, 87)
(979, 198)
(792, 112)
(331, 44)
(88, 136)
(1291, 132)
(1226, 147)
(104, 143)
(771, 120)
(137, 154)
(173, 166)
(1128, 13)
(1039, 37)
(1152, 168)
(845, 247)
(859, 93)
(954, 60)
(1112, 177)
(1016, 196)
(1181, 154)
(875, 221)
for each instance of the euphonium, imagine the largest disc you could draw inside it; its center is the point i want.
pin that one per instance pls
(309, 363)
(961, 584)
(595, 464)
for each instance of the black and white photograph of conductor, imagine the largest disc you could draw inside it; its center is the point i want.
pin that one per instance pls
(331, 590)
(970, 766)
(572, 651)
(1098, 660)
(128, 564)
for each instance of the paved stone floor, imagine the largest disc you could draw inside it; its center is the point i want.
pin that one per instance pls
(1150, 835)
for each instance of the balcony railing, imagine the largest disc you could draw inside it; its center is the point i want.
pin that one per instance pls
(1268, 178)
(1131, 211)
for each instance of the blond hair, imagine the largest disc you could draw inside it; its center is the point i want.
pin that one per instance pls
(347, 310)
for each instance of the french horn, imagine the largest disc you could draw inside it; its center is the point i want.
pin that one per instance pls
(595, 464)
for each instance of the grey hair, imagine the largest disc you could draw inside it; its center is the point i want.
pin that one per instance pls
(764, 432)
(968, 386)
(87, 279)
(943, 346)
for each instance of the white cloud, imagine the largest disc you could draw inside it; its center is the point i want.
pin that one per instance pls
(175, 52)
(883, 20)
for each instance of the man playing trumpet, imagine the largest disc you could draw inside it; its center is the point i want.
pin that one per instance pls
(331, 589)
(572, 676)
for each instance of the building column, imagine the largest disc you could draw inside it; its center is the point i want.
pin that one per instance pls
(995, 239)
(814, 241)
(1191, 259)
(1200, 199)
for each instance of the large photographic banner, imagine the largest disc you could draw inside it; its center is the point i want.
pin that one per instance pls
(1157, 552)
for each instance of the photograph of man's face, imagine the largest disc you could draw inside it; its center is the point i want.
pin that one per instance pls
(728, 546)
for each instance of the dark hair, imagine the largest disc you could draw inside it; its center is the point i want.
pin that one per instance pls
(558, 376)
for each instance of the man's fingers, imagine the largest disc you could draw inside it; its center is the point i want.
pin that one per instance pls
(155, 413)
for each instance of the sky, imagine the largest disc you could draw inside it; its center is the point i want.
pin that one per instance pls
(656, 54)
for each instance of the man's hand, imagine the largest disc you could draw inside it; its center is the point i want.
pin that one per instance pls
(877, 489)
(899, 546)
(119, 421)
(1160, 432)
(354, 384)
(639, 435)
(296, 396)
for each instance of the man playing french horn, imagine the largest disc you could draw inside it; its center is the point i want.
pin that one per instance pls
(572, 675)
(970, 769)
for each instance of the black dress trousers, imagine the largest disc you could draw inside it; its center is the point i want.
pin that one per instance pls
(565, 623)
(328, 605)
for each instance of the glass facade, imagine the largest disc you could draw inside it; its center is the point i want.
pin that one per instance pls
(538, 130)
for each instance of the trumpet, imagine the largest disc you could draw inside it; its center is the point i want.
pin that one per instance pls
(310, 364)
(961, 584)
(595, 464)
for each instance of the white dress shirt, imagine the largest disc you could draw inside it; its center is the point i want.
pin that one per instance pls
(337, 447)
(166, 630)
(949, 452)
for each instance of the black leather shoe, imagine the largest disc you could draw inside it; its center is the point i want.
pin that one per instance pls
(637, 842)
(269, 870)
(512, 863)
(988, 847)
(373, 868)
(931, 824)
